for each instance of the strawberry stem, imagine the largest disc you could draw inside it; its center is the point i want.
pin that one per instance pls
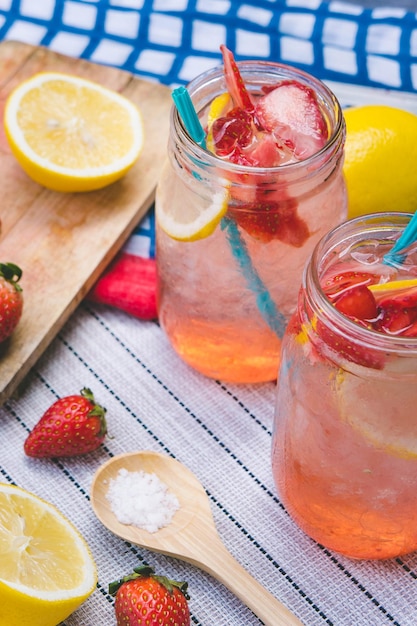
(97, 410)
(145, 571)
(12, 273)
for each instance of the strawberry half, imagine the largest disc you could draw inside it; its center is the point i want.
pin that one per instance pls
(71, 426)
(291, 112)
(145, 599)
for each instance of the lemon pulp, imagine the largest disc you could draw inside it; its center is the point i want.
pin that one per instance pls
(46, 569)
(71, 134)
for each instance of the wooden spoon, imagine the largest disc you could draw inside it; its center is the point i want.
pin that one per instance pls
(191, 536)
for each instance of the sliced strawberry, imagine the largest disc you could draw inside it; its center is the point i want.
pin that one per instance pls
(358, 303)
(395, 320)
(348, 349)
(292, 113)
(336, 283)
(404, 298)
(349, 293)
(231, 133)
(234, 81)
(266, 221)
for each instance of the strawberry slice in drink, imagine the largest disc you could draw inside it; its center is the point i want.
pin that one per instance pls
(282, 126)
(291, 113)
(398, 312)
(350, 294)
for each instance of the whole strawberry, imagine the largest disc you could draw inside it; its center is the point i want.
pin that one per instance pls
(11, 299)
(145, 599)
(71, 426)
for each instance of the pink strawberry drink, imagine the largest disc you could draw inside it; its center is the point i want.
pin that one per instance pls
(344, 452)
(271, 172)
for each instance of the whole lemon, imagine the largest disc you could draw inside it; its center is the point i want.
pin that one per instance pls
(380, 159)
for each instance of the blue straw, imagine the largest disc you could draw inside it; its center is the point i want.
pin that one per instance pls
(408, 236)
(266, 306)
(189, 116)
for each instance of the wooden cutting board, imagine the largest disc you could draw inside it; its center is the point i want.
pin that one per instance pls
(63, 242)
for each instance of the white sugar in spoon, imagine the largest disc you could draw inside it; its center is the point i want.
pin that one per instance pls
(191, 536)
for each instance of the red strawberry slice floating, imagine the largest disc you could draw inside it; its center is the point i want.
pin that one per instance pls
(392, 312)
(234, 81)
(266, 221)
(269, 134)
(358, 303)
(394, 320)
(292, 113)
(338, 282)
(350, 350)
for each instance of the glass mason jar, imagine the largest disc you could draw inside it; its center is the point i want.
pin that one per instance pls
(344, 449)
(224, 298)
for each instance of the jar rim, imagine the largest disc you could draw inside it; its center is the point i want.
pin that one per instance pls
(216, 74)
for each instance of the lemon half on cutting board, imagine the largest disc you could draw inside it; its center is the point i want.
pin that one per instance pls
(72, 134)
(46, 569)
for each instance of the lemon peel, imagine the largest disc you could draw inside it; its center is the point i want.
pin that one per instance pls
(71, 134)
(47, 568)
(379, 162)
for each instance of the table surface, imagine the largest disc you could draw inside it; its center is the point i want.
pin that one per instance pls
(222, 433)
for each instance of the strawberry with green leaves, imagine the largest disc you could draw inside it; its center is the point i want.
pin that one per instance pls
(11, 299)
(146, 599)
(73, 425)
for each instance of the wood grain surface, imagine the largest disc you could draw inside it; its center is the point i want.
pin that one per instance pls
(61, 241)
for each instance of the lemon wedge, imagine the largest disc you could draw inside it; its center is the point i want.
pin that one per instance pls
(382, 411)
(71, 134)
(185, 215)
(46, 570)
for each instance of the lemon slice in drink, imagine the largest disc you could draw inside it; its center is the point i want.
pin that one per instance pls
(382, 411)
(392, 286)
(46, 570)
(184, 214)
(71, 134)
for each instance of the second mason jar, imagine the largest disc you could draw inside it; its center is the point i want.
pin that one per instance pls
(344, 453)
(225, 293)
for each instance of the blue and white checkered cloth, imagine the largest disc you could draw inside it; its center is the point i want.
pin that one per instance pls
(172, 41)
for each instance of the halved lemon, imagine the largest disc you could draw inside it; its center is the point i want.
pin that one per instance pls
(46, 569)
(71, 134)
(381, 411)
(183, 213)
